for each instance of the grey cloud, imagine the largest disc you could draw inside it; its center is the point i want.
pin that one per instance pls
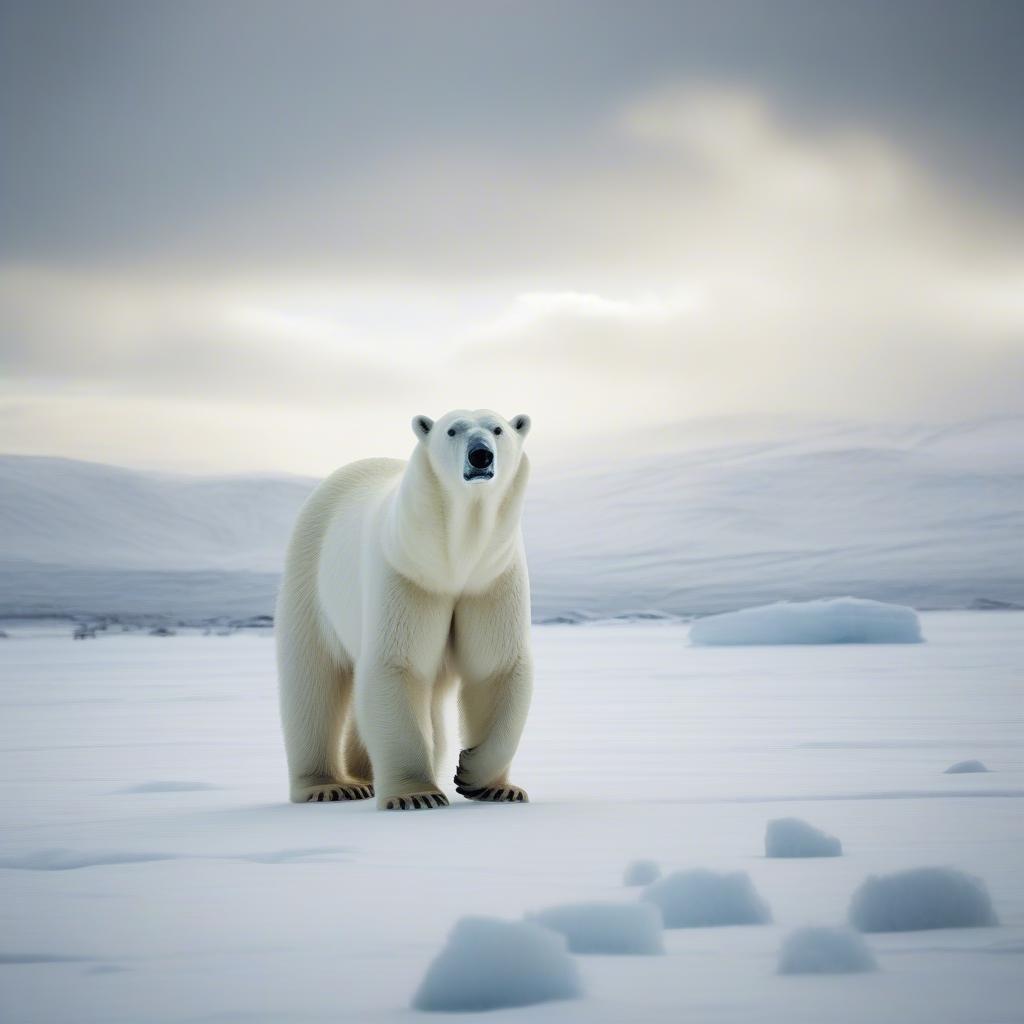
(124, 127)
(136, 338)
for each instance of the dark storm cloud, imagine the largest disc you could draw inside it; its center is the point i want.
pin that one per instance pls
(125, 126)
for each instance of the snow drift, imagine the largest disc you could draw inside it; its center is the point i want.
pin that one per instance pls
(965, 768)
(488, 964)
(617, 928)
(840, 620)
(792, 837)
(702, 898)
(825, 951)
(921, 898)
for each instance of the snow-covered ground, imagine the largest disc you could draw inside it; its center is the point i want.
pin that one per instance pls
(151, 870)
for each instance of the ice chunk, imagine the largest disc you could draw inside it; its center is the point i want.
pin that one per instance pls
(792, 837)
(965, 767)
(488, 964)
(825, 951)
(921, 898)
(839, 620)
(641, 872)
(698, 898)
(627, 928)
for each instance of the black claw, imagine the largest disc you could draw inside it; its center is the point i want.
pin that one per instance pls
(519, 796)
(319, 797)
(391, 805)
(497, 795)
(335, 795)
(401, 802)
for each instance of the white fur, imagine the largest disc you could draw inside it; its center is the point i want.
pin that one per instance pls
(402, 579)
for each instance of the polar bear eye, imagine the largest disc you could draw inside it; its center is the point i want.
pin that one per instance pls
(497, 430)
(451, 431)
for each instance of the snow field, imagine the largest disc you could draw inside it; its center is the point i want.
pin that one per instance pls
(261, 911)
(817, 950)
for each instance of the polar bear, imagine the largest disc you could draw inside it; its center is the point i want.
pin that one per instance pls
(403, 580)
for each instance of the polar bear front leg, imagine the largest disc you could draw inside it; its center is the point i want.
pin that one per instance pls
(493, 715)
(315, 693)
(393, 716)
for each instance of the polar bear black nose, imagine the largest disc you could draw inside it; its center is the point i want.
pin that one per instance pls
(481, 458)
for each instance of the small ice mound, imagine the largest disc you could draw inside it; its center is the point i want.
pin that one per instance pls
(825, 951)
(838, 620)
(632, 929)
(965, 768)
(792, 837)
(489, 964)
(641, 872)
(701, 898)
(910, 901)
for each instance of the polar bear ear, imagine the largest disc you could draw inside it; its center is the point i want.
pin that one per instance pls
(521, 424)
(421, 426)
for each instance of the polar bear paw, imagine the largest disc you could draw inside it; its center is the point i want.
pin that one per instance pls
(415, 801)
(502, 792)
(505, 794)
(331, 791)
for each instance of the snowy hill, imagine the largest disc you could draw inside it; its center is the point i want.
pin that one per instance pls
(83, 514)
(931, 518)
(695, 523)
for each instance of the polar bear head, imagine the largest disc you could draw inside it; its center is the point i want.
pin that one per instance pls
(476, 449)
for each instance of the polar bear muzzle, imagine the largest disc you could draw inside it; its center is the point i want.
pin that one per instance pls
(479, 460)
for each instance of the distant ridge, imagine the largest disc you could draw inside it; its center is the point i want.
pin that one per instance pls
(931, 517)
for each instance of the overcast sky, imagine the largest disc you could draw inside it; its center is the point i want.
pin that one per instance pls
(240, 236)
